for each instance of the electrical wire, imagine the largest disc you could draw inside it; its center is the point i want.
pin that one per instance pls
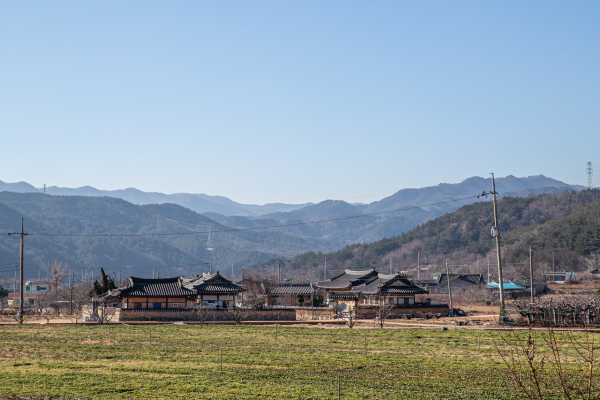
(262, 227)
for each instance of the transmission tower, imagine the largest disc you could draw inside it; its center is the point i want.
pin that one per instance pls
(208, 246)
(590, 172)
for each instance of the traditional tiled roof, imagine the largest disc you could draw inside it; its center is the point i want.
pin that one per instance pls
(344, 295)
(211, 283)
(595, 271)
(166, 287)
(347, 280)
(473, 279)
(388, 284)
(291, 288)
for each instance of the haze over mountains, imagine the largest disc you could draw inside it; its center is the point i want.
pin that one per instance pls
(91, 211)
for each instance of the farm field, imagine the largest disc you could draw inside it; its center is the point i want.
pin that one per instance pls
(258, 362)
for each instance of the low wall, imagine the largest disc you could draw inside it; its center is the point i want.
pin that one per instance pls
(207, 315)
(399, 312)
(306, 314)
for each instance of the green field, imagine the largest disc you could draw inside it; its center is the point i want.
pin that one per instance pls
(184, 361)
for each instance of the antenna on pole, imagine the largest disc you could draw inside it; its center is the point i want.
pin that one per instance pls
(590, 172)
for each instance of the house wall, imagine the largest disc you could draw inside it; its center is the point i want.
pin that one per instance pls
(165, 302)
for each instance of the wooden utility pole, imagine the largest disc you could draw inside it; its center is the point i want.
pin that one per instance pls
(530, 274)
(21, 299)
(553, 271)
(418, 265)
(449, 288)
(496, 234)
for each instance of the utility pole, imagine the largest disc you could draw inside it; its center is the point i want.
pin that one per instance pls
(530, 274)
(21, 300)
(278, 274)
(488, 260)
(71, 283)
(496, 234)
(390, 265)
(119, 277)
(590, 172)
(553, 272)
(449, 288)
(158, 222)
(418, 265)
(325, 273)
(211, 265)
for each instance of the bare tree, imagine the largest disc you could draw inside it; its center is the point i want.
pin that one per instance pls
(237, 314)
(383, 312)
(550, 363)
(349, 317)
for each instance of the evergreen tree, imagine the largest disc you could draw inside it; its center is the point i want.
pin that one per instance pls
(107, 284)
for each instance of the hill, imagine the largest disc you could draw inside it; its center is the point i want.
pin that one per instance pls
(563, 223)
(46, 216)
(370, 229)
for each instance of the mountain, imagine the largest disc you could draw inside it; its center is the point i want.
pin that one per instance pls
(200, 203)
(143, 241)
(562, 228)
(372, 228)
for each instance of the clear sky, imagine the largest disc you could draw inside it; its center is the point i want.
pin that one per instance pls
(296, 101)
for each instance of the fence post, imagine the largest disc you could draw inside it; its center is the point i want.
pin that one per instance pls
(150, 337)
(221, 356)
(365, 344)
(339, 386)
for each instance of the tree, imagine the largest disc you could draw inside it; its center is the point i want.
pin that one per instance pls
(550, 364)
(383, 312)
(107, 284)
(3, 291)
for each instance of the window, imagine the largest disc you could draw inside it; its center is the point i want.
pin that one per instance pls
(406, 300)
(156, 305)
(137, 305)
(175, 304)
(27, 288)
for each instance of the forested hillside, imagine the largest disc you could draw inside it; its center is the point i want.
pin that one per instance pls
(93, 217)
(563, 223)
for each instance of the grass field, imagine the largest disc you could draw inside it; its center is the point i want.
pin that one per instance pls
(184, 361)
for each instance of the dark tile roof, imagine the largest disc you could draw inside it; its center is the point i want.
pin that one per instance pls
(474, 279)
(211, 283)
(525, 282)
(156, 287)
(291, 289)
(596, 271)
(344, 295)
(348, 279)
(390, 284)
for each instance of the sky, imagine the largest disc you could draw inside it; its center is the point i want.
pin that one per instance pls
(271, 101)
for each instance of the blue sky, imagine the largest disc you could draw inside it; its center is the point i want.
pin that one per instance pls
(296, 101)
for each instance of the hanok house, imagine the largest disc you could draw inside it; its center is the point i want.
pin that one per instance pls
(167, 293)
(366, 288)
(286, 294)
(458, 283)
(207, 290)
(213, 290)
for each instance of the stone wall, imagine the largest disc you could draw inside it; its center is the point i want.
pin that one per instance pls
(208, 315)
(306, 314)
(399, 312)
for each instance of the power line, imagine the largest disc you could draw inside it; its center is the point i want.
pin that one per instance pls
(262, 227)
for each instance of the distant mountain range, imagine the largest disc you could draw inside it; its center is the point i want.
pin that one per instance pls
(200, 203)
(131, 211)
